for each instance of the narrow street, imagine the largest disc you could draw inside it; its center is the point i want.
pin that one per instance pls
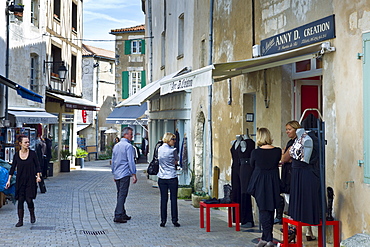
(77, 210)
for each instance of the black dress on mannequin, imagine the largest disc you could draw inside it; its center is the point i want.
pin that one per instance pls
(235, 171)
(246, 170)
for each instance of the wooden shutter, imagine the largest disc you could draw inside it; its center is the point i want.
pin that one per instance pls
(143, 79)
(366, 104)
(142, 46)
(127, 47)
(125, 84)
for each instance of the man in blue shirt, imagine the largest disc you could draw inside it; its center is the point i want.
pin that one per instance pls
(123, 168)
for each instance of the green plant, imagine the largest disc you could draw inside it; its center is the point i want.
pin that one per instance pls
(80, 153)
(65, 154)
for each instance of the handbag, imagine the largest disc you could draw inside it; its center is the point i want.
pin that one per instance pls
(153, 167)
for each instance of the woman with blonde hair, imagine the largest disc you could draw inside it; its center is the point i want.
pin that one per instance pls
(167, 177)
(264, 185)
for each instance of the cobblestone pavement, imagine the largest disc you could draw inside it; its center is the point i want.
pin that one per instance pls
(77, 210)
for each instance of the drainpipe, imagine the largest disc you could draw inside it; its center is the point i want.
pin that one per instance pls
(211, 4)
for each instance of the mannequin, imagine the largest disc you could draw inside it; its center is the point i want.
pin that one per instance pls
(304, 201)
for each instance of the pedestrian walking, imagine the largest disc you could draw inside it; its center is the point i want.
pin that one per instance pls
(167, 177)
(28, 174)
(123, 168)
(265, 183)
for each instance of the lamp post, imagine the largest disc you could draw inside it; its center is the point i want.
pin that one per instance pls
(3, 88)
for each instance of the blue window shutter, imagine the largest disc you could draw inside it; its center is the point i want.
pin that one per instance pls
(366, 105)
(143, 79)
(127, 47)
(125, 84)
(142, 46)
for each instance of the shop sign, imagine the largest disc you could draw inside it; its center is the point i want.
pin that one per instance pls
(313, 32)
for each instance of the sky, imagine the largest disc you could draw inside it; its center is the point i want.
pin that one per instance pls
(100, 17)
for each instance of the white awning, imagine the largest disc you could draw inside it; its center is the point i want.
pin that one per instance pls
(197, 78)
(223, 71)
(34, 117)
(146, 92)
(74, 102)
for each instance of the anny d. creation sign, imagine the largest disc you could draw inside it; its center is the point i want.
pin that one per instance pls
(310, 33)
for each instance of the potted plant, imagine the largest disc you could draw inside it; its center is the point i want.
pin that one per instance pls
(184, 191)
(65, 163)
(197, 197)
(80, 155)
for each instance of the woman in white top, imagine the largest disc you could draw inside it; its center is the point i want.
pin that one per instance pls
(167, 177)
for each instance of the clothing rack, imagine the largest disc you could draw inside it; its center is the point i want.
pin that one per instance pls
(320, 130)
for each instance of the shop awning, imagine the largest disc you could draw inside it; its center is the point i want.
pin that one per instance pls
(128, 115)
(74, 102)
(197, 78)
(82, 126)
(223, 71)
(22, 91)
(146, 92)
(33, 117)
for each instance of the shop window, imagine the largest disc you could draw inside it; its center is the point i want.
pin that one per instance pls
(74, 17)
(34, 80)
(180, 37)
(57, 9)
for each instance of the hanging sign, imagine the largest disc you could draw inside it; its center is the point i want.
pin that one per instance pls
(313, 32)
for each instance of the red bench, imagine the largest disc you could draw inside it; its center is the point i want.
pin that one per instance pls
(208, 214)
(299, 225)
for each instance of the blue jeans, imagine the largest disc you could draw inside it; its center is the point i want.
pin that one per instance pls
(165, 185)
(122, 190)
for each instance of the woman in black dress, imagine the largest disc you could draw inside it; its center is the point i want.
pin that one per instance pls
(28, 174)
(265, 183)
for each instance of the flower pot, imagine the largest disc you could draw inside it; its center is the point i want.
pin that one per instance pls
(65, 165)
(195, 199)
(184, 192)
(80, 162)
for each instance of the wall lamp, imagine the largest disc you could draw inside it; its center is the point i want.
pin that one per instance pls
(62, 70)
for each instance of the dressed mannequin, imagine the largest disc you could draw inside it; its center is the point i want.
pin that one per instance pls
(304, 201)
(247, 145)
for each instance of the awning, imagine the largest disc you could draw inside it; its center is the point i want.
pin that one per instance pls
(81, 127)
(34, 117)
(143, 94)
(197, 78)
(133, 115)
(223, 71)
(74, 102)
(22, 91)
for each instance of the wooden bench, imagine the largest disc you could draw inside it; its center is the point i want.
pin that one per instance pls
(219, 205)
(92, 150)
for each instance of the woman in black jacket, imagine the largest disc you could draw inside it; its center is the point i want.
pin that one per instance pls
(28, 174)
(265, 183)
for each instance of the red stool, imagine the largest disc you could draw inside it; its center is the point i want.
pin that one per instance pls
(208, 214)
(299, 225)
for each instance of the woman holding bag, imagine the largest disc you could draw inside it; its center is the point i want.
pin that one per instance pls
(167, 177)
(28, 174)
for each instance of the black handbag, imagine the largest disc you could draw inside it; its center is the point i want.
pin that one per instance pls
(153, 167)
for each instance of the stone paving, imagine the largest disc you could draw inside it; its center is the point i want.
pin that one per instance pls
(77, 210)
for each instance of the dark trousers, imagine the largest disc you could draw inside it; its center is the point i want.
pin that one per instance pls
(23, 199)
(267, 222)
(122, 190)
(164, 186)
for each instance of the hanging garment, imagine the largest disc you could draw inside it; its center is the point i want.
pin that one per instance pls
(304, 202)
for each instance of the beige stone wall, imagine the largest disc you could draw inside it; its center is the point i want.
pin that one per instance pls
(342, 93)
